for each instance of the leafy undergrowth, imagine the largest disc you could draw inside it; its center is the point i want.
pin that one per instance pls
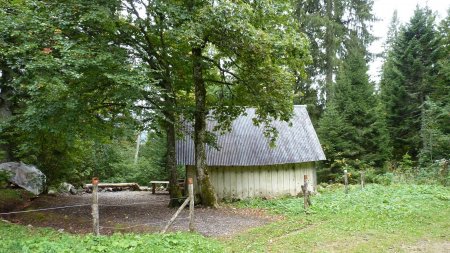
(11, 198)
(14, 238)
(376, 219)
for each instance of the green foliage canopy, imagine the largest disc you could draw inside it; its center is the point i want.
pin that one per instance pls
(68, 80)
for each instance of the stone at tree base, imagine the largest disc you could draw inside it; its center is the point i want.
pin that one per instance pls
(52, 191)
(73, 191)
(67, 188)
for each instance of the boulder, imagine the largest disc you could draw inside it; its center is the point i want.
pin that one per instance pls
(67, 188)
(26, 176)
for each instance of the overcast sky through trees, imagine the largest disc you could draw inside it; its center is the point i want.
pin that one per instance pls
(384, 9)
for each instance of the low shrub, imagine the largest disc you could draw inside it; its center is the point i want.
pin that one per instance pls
(10, 199)
(5, 176)
(384, 179)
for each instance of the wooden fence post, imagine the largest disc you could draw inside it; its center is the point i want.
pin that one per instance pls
(362, 179)
(346, 181)
(175, 215)
(191, 204)
(443, 172)
(306, 200)
(95, 215)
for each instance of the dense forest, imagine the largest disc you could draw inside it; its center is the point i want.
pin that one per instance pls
(82, 81)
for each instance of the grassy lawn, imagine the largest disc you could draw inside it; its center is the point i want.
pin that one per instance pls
(397, 218)
(21, 239)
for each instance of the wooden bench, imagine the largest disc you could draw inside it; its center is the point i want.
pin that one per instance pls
(153, 183)
(117, 186)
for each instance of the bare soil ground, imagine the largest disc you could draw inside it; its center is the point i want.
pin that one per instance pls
(428, 246)
(133, 211)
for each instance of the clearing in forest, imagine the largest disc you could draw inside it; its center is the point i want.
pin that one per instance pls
(396, 218)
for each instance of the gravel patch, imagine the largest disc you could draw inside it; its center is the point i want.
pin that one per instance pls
(133, 211)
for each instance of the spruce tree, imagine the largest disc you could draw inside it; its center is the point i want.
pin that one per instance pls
(392, 33)
(352, 127)
(407, 77)
(335, 134)
(329, 25)
(435, 131)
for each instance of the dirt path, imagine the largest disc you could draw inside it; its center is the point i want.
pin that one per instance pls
(129, 211)
(428, 246)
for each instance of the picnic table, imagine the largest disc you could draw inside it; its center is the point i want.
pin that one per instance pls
(154, 183)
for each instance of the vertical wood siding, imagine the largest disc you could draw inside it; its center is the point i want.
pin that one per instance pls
(258, 181)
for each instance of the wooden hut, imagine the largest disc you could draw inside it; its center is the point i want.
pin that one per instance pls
(246, 166)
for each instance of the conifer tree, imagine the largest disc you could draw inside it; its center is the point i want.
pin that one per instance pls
(407, 78)
(435, 131)
(392, 33)
(329, 25)
(352, 127)
(335, 136)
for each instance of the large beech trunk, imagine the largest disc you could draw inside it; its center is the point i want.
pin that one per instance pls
(171, 159)
(171, 165)
(206, 189)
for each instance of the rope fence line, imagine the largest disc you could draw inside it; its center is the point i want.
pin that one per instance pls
(95, 209)
(81, 205)
(44, 209)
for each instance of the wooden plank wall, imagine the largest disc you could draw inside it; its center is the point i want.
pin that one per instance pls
(259, 181)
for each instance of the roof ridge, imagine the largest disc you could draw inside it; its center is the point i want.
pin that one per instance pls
(246, 145)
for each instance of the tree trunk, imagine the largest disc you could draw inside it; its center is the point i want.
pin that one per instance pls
(206, 189)
(330, 52)
(169, 113)
(171, 159)
(5, 115)
(171, 165)
(138, 145)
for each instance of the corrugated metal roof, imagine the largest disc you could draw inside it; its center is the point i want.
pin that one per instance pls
(246, 145)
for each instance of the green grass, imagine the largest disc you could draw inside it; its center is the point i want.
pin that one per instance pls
(9, 195)
(14, 238)
(377, 219)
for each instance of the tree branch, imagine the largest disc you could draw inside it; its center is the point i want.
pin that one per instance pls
(220, 67)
